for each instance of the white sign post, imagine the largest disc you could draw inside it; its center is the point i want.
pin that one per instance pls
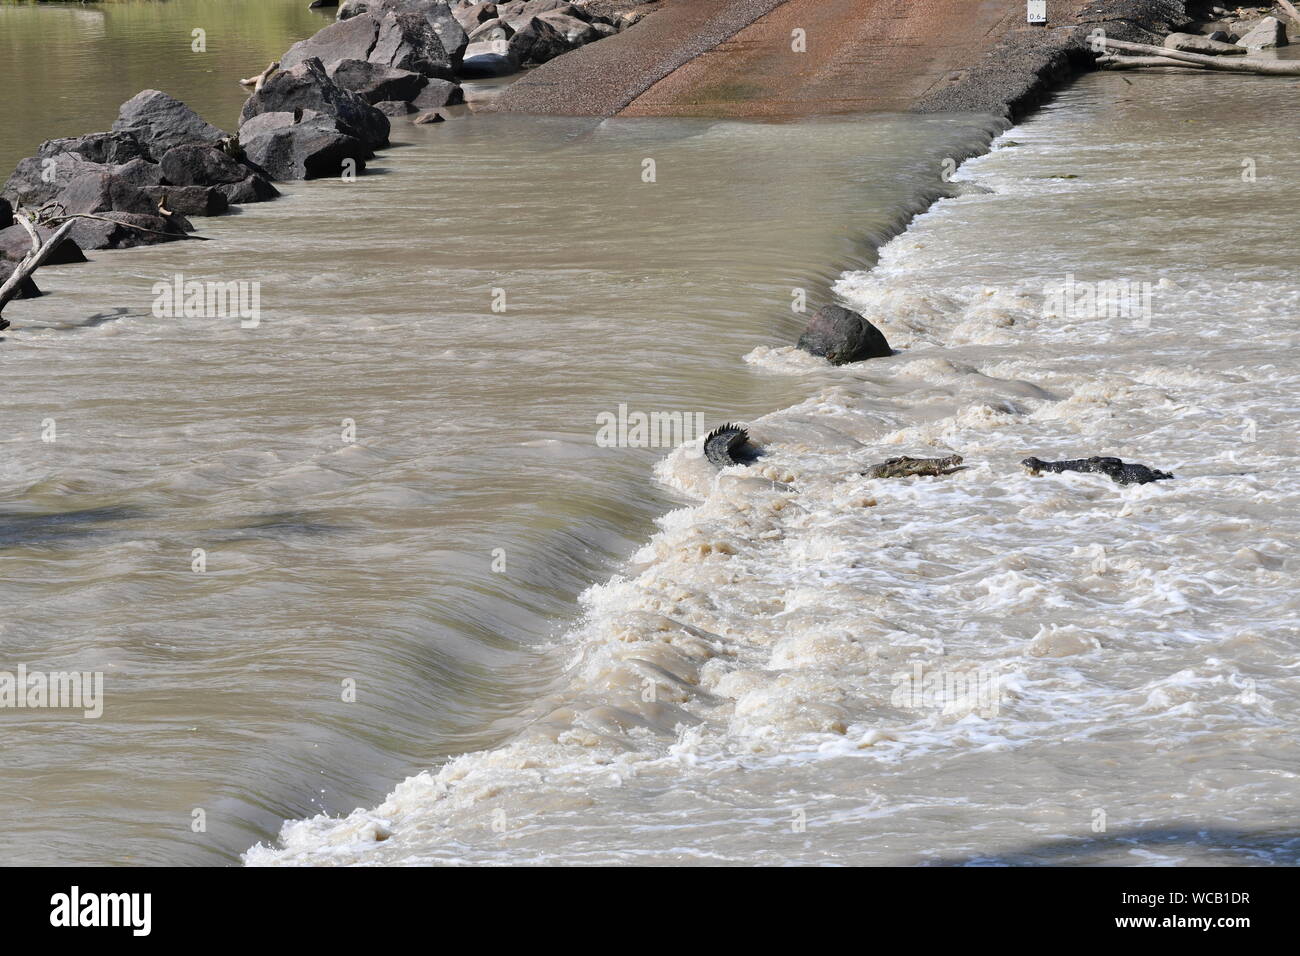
(1037, 11)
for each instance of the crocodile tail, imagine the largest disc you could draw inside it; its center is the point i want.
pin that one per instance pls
(721, 444)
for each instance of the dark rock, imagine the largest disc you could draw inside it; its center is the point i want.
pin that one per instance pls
(376, 83)
(140, 173)
(439, 93)
(536, 41)
(116, 230)
(574, 30)
(445, 24)
(6, 214)
(308, 87)
(111, 149)
(199, 165)
(93, 193)
(253, 189)
(118, 205)
(407, 41)
(27, 289)
(38, 179)
(345, 40)
(395, 108)
(1119, 471)
(161, 122)
(425, 119)
(189, 200)
(15, 243)
(309, 149)
(842, 336)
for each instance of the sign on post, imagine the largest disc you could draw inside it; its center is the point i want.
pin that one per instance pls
(1037, 11)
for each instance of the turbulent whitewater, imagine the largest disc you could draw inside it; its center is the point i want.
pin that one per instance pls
(805, 665)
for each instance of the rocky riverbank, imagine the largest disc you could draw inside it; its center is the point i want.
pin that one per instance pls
(325, 107)
(320, 111)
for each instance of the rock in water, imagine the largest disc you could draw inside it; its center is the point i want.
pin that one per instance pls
(344, 40)
(841, 335)
(448, 27)
(1268, 33)
(111, 149)
(725, 446)
(161, 122)
(308, 87)
(36, 180)
(27, 289)
(908, 467)
(307, 149)
(1121, 472)
(376, 83)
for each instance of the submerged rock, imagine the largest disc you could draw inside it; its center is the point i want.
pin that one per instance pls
(841, 335)
(15, 243)
(1119, 471)
(27, 289)
(905, 467)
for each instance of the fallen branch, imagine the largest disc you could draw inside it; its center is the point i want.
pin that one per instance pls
(256, 81)
(129, 225)
(32, 261)
(1116, 62)
(1245, 64)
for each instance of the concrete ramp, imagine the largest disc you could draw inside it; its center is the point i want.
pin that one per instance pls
(742, 58)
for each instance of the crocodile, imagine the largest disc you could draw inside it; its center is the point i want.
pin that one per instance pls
(726, 445)
(906, 467)
(1121, 472)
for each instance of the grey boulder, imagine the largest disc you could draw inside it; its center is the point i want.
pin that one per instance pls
(841, 335)
(311, 146)
(375, 83)
(160, 122)
(1268, 33)
(308, 87)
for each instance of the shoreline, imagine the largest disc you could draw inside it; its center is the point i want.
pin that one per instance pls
(1020, 71)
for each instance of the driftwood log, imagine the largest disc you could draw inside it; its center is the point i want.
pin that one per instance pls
(256, 81)
(1244, 64)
